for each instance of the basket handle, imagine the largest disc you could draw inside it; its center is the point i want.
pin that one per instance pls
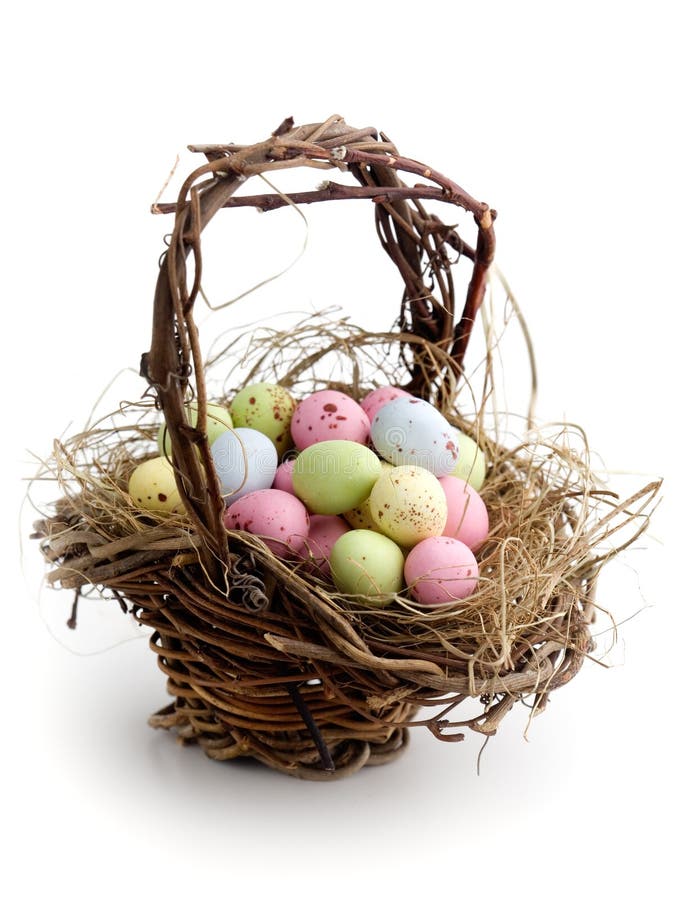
(417, 242)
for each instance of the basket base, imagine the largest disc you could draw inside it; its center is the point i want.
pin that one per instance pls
(293, 756)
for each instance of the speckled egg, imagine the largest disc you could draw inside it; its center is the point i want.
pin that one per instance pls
(218, 420)
(268, 408)
(367, 563)
(468, 518)
(283, 476)
(275, 516)
(376, 399)
(152, 486)
(471, 464)
(324, 532)
(333, 476)
(329, 416)
(409, 431)
(245, 460)
(408, 504)
(441, 570)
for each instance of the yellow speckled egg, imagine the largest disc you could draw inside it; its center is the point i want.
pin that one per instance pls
(152, 486)
(408, 504)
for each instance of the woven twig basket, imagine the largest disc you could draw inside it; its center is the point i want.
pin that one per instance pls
(263, 660)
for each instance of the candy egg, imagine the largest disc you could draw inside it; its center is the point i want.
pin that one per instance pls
(328, 416)
(471, 464)
(441, 570)
(334, 476)
(408, 504)
(324, 532)
(409, 431)
(218, 420)
(152, 486)
(360, 516)
(245, 460)
(364, 562)
(268, 408)
(283, 476)
(275, 516)
(468, 518)
(376, 399)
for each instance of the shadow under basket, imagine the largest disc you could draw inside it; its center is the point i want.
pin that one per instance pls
(263, 658)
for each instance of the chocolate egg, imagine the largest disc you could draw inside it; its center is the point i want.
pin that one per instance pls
(408, 504)
(334, 476)
(471, 464)
(367, 563)
(441, 570)
(245, 460)
(152, 486)
(267, 408)
(275, 516)
(218, 420)
(468, 518)
(329, 416)
(409, 431)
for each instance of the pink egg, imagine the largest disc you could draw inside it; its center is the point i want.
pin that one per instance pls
(322, 536)
(283, 476)
(468, 518)
(277, 517)
(441, 570)
(376, 399)
(329, 416)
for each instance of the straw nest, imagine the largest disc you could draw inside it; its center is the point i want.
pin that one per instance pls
(262, 658)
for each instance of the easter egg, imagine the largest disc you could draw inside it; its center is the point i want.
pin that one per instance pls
(409, 431)
(275, 516)
(283, 476)
(218, 420)
(468, 518)
(441, 570)
(365, 562)
(333, 476)
(152, 486)
(408, 504)
(323, 533)
(268, 408)
(360, 516)
(376, 399)
(471, 464)
(245, 460)
(329, 416)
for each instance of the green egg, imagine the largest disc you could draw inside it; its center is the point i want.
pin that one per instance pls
(360, 516)
(218, 420)
(364, 562)
(152, 486)
(471, 465)
(331, 477)
(267, 408)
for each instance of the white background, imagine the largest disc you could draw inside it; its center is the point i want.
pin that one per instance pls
(562, 116)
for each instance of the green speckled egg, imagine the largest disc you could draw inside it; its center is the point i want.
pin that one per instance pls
(218, 420)
(368, 563)
(471, 465)
(152, 486)
(267, 408)
(408, 504)
(331, 477)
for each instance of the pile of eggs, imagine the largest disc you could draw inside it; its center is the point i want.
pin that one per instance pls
(374, 496)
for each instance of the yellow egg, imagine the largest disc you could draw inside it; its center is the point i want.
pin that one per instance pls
(471, 465)
(408, 504)
(152, 486)
(360, 516)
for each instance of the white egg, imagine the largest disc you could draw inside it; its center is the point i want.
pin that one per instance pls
(245, 460)
(411, 432)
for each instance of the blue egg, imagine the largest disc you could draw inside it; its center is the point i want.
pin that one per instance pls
(245, 460)
(411, 432)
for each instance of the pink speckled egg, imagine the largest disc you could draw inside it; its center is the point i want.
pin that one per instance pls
(322, 536)
(329, 416)
(283, 476)
(467, 518)
(277, 517)
(376, 399)
(441, 570)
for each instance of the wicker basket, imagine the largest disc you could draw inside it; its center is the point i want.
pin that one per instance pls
(263, 660)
